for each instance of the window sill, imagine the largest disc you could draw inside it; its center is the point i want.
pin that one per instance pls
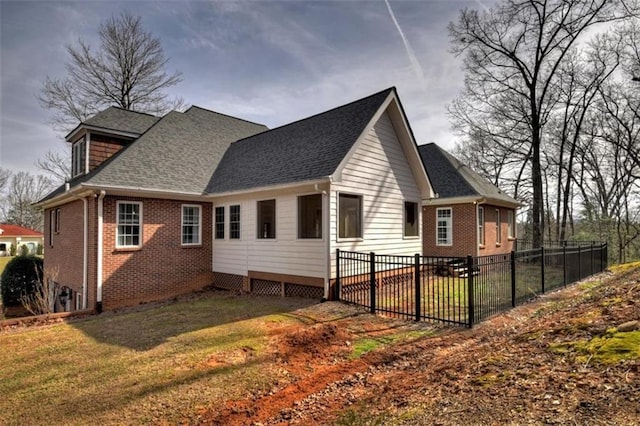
(511, 238)
(498, 244)
(350, 240)
(444, 245)
(481, 246)
(127, 249)
(411, 237)
(187, 246)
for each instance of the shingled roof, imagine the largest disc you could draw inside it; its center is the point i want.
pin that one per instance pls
(451, 179)
(121, 120)
(179, 153)
(304, 150)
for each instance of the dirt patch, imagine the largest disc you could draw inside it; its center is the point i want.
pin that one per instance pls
(503, 371)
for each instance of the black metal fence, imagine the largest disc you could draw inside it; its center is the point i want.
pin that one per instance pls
(461, 291)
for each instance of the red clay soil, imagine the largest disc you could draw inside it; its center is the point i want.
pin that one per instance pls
(517, 368)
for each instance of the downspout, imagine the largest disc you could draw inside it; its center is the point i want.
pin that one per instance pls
(327, 243)
(477, 203)
(85, 254)
(99, 251)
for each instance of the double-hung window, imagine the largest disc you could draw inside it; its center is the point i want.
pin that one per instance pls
(498, 228)
(511, 224)
(411, 219)
(79, 158)
(191, 220)
(234, 222)
(481, 226)
(444, 227)
(349, 216)
(220, 223)
(267, 219)
(129, 224)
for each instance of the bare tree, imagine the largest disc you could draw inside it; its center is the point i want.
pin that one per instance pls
(5, 175)
(25, 189)
(56, 166)
(512, 56)
(128, 71)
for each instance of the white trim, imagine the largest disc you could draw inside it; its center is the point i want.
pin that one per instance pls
(85, 254)
(182, 243)
(481, 235)
(361, 218)
(498, 227)
(87, 150)
(104, 130)
(447, 201)
(326, 237)
(118, 204)
(100, 244)
(269, 188)
(450, 220)
(224, 223)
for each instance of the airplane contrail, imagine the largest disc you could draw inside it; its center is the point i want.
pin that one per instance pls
(413, 59)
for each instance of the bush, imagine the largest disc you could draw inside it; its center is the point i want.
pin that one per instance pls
(12, 250)
(24, 250)
(40, 250)
(20, 278)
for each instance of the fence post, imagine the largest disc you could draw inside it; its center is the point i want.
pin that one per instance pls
(579, 262)
(564, 265)
(336, 290)
(470, 290)
(372, 281)
(513, 279)
(605, 263)
(542, 268)
(416, 280)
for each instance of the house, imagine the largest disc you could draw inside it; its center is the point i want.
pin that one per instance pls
(17, 236)
(159, 206)
(468, 214)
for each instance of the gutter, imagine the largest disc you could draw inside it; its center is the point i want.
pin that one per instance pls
(324, 179)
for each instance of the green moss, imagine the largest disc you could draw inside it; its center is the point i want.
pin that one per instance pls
(368, 344)
(624, 267)
(490, 379)
(611, 348)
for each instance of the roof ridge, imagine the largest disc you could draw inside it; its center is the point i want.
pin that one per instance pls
(132, 110)
(224, 115)
(392, 88)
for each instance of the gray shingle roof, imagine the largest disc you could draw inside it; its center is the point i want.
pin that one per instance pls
(114, 118)
(308, 149)
(450, 178)
(179, 153)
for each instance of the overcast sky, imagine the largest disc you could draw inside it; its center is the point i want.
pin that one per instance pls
(268, 62)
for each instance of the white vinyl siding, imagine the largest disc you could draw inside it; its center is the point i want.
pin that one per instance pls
(379, 171)
(287, 254)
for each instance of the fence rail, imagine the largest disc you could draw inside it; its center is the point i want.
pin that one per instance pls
(460, 291)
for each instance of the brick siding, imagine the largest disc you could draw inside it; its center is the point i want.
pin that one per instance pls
(162, 267)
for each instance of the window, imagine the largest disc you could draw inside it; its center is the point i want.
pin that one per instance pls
(129, 224)
(78, 158)
(234, 222)
(498, 230)
(481, 226)
(191, 219)
(511, 225)
(267, 219)
(411, 219)
(350, 216)
(220, 223)
(444, 227)
(310, 216)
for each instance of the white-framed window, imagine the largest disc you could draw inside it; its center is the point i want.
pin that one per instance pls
(481, 226)
(129, 224)
(266, 219)
(511, 224)
(234, 222)
(444, 226)
(219, 226)
(191, 225)
(498, 230)
(310, 216)
(78, 158)
(411, 219)
(349, 216)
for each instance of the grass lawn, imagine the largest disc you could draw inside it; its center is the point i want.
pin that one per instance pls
(151, 365)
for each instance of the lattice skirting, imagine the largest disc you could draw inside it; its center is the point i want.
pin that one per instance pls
(228, 281)
(266, 287)
(298, 290)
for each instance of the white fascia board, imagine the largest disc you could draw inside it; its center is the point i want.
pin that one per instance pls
(89, 128)
(285, 186)
(468, 199)
(130, 191)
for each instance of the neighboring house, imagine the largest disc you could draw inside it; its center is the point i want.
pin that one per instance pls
(162, 206)
(468, 215)
(17, 236)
